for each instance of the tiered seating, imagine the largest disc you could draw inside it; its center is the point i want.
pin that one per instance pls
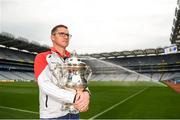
(12, 75)
(16, 65)
(16, 55)
(161, 67)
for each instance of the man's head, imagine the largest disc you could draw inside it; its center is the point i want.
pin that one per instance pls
(60, 36)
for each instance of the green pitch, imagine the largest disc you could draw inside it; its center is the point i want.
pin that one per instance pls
(118, 100)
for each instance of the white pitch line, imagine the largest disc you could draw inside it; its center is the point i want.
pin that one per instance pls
(15, 109)
(118, 103)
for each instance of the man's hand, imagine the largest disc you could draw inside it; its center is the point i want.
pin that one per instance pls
(82, 101)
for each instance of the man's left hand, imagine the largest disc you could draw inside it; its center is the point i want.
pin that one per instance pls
(83, 102)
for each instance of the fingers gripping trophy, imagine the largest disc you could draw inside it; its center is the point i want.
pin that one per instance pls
(73, 74)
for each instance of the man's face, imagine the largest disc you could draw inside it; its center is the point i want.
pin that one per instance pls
(60, 37)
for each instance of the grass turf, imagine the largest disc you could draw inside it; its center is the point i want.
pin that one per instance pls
(156, 101)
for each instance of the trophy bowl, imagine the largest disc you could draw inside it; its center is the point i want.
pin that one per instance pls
(78, 73)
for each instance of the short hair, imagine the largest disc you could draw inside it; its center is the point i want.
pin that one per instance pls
(56, 27)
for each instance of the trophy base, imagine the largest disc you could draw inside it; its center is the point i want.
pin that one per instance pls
(70, 108)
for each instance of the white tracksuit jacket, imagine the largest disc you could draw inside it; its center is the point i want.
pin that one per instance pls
(51, 97)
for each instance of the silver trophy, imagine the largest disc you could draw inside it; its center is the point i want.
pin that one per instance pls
(71, 75)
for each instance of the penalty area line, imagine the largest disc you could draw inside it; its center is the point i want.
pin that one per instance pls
(110, 108)
(20, 110)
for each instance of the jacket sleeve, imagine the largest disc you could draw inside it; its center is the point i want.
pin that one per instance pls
(43, 77)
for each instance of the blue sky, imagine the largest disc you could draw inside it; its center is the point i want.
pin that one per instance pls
(96, 25)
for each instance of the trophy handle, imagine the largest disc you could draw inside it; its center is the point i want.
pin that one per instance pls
(88, 70)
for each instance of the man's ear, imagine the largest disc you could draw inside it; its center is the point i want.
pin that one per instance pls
(52, 37)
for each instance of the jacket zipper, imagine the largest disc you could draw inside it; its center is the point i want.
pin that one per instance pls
(46, 101)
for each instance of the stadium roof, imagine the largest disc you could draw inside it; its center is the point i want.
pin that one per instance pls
(138, 52)
(175, 35)
(8, 40)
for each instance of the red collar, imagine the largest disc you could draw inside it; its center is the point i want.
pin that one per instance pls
(67, 54)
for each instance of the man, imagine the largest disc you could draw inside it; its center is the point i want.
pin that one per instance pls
(52, 97)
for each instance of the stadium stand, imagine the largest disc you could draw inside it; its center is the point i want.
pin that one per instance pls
(16, 70)
(17, 57)
(158, 67)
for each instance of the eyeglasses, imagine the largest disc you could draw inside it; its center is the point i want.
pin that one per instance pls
(62, 34)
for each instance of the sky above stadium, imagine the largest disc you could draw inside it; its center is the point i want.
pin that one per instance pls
(96, 25)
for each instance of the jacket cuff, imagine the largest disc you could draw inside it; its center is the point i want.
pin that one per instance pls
(87, 90)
